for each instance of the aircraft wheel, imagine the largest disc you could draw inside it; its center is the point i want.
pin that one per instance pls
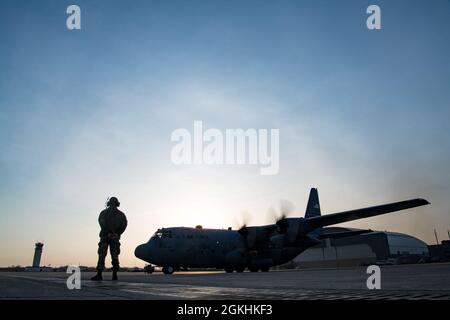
(265, 269)
(253, 269)
(240, 269)
(229, 270)
(168, 270)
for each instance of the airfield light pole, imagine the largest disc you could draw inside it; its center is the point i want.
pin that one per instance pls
(435, 234)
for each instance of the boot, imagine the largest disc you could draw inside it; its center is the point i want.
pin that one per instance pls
(114, 276)
(98, 276)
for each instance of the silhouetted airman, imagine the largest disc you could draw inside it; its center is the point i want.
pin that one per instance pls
(112, 223)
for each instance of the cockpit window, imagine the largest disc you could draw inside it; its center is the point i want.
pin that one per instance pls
(162, 233)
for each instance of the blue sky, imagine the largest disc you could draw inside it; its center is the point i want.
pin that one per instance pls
(363, 115)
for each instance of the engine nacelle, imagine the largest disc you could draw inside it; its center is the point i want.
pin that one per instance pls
(277, 241)
(296, 227)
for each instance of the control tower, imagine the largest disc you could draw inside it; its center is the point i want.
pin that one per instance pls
(37, 254)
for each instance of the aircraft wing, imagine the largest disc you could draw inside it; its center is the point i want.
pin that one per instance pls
(345, 216)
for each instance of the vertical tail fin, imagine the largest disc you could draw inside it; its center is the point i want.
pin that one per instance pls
(313, 207)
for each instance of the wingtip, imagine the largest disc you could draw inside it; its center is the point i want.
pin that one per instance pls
(424, 201)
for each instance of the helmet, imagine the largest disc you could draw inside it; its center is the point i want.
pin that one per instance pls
(113, 202)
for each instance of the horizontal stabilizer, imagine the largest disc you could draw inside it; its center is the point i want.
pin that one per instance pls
(343, 234)
(335, 218)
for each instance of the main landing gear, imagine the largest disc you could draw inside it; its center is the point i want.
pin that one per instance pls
(229, 270)
(255, 269)
(251, 269)
(238, 269)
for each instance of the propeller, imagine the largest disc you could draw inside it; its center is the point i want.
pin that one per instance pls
(242, 223)
(280, 216)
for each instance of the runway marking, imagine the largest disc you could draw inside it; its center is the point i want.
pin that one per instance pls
(51, 287)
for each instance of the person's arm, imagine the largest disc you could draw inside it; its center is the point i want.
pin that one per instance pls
(123, 224)
(102, 220)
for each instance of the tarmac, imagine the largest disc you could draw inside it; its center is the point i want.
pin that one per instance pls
(412, 282)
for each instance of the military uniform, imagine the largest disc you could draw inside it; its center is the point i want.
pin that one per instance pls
(113, 223)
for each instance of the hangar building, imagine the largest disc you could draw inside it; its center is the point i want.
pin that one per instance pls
(381, 247)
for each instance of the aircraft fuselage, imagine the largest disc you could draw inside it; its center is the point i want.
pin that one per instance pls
(182, 247)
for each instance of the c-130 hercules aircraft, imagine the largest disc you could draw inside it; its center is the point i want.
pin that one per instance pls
(257, 247)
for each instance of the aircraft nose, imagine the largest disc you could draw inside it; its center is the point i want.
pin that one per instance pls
(141, 252)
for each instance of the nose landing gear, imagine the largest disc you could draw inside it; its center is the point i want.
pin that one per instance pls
(168, 270)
